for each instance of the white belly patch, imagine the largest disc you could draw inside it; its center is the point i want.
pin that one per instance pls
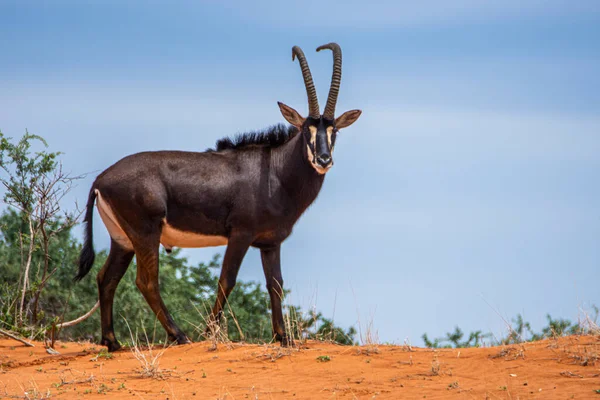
(170, 237)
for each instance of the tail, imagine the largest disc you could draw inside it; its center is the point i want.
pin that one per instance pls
(87, 256)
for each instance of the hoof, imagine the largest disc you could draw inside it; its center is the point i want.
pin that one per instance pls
(180, 339)
(111, 345)
(285, 340)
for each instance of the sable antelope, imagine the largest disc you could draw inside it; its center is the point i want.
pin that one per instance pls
(249, 191)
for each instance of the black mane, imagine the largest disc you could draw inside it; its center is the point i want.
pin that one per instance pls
(273, 136)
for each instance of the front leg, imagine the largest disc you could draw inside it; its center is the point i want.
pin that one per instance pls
(272, 266)
(236, 250)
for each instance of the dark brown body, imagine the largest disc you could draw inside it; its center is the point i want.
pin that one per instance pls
(248, 193)
(251, 196)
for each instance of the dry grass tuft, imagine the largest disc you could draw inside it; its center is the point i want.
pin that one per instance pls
(589, 324)
(585, 357)
(213, 331)
(435, 364)
(149, 360)
(369, 338)
(64, 382)
(273, 352)
(511, 352)
(32, 392)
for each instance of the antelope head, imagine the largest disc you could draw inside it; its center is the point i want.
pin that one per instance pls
(319, 132)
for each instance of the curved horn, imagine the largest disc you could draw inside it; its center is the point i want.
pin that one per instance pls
(313, 103)
(336, 78)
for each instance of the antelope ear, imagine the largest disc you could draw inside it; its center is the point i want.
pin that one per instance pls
(347, 119)
(291, 115)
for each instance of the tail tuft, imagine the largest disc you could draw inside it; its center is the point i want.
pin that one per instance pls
(88, 255)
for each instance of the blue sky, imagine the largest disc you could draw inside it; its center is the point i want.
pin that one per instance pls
(468, 188)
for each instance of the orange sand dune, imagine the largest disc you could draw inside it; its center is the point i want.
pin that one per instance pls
(562, 368)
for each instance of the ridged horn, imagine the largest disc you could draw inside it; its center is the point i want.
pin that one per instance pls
(336, 78)
(313, 102)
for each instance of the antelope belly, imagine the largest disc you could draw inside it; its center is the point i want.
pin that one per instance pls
(172, 237)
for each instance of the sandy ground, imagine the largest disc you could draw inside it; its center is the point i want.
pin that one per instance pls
(562, 368)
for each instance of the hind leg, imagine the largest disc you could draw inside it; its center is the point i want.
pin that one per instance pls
(147, 283)
(108, 279)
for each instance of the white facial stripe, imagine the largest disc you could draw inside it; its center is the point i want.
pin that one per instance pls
(311, 156)
(329, 135)
(313, 135)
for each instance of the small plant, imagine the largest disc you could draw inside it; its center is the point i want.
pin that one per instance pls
(102, 389)
(504, 388)
(324, 358)
(102, 354)
(455, 339)
(520, 331)
(453, 385)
